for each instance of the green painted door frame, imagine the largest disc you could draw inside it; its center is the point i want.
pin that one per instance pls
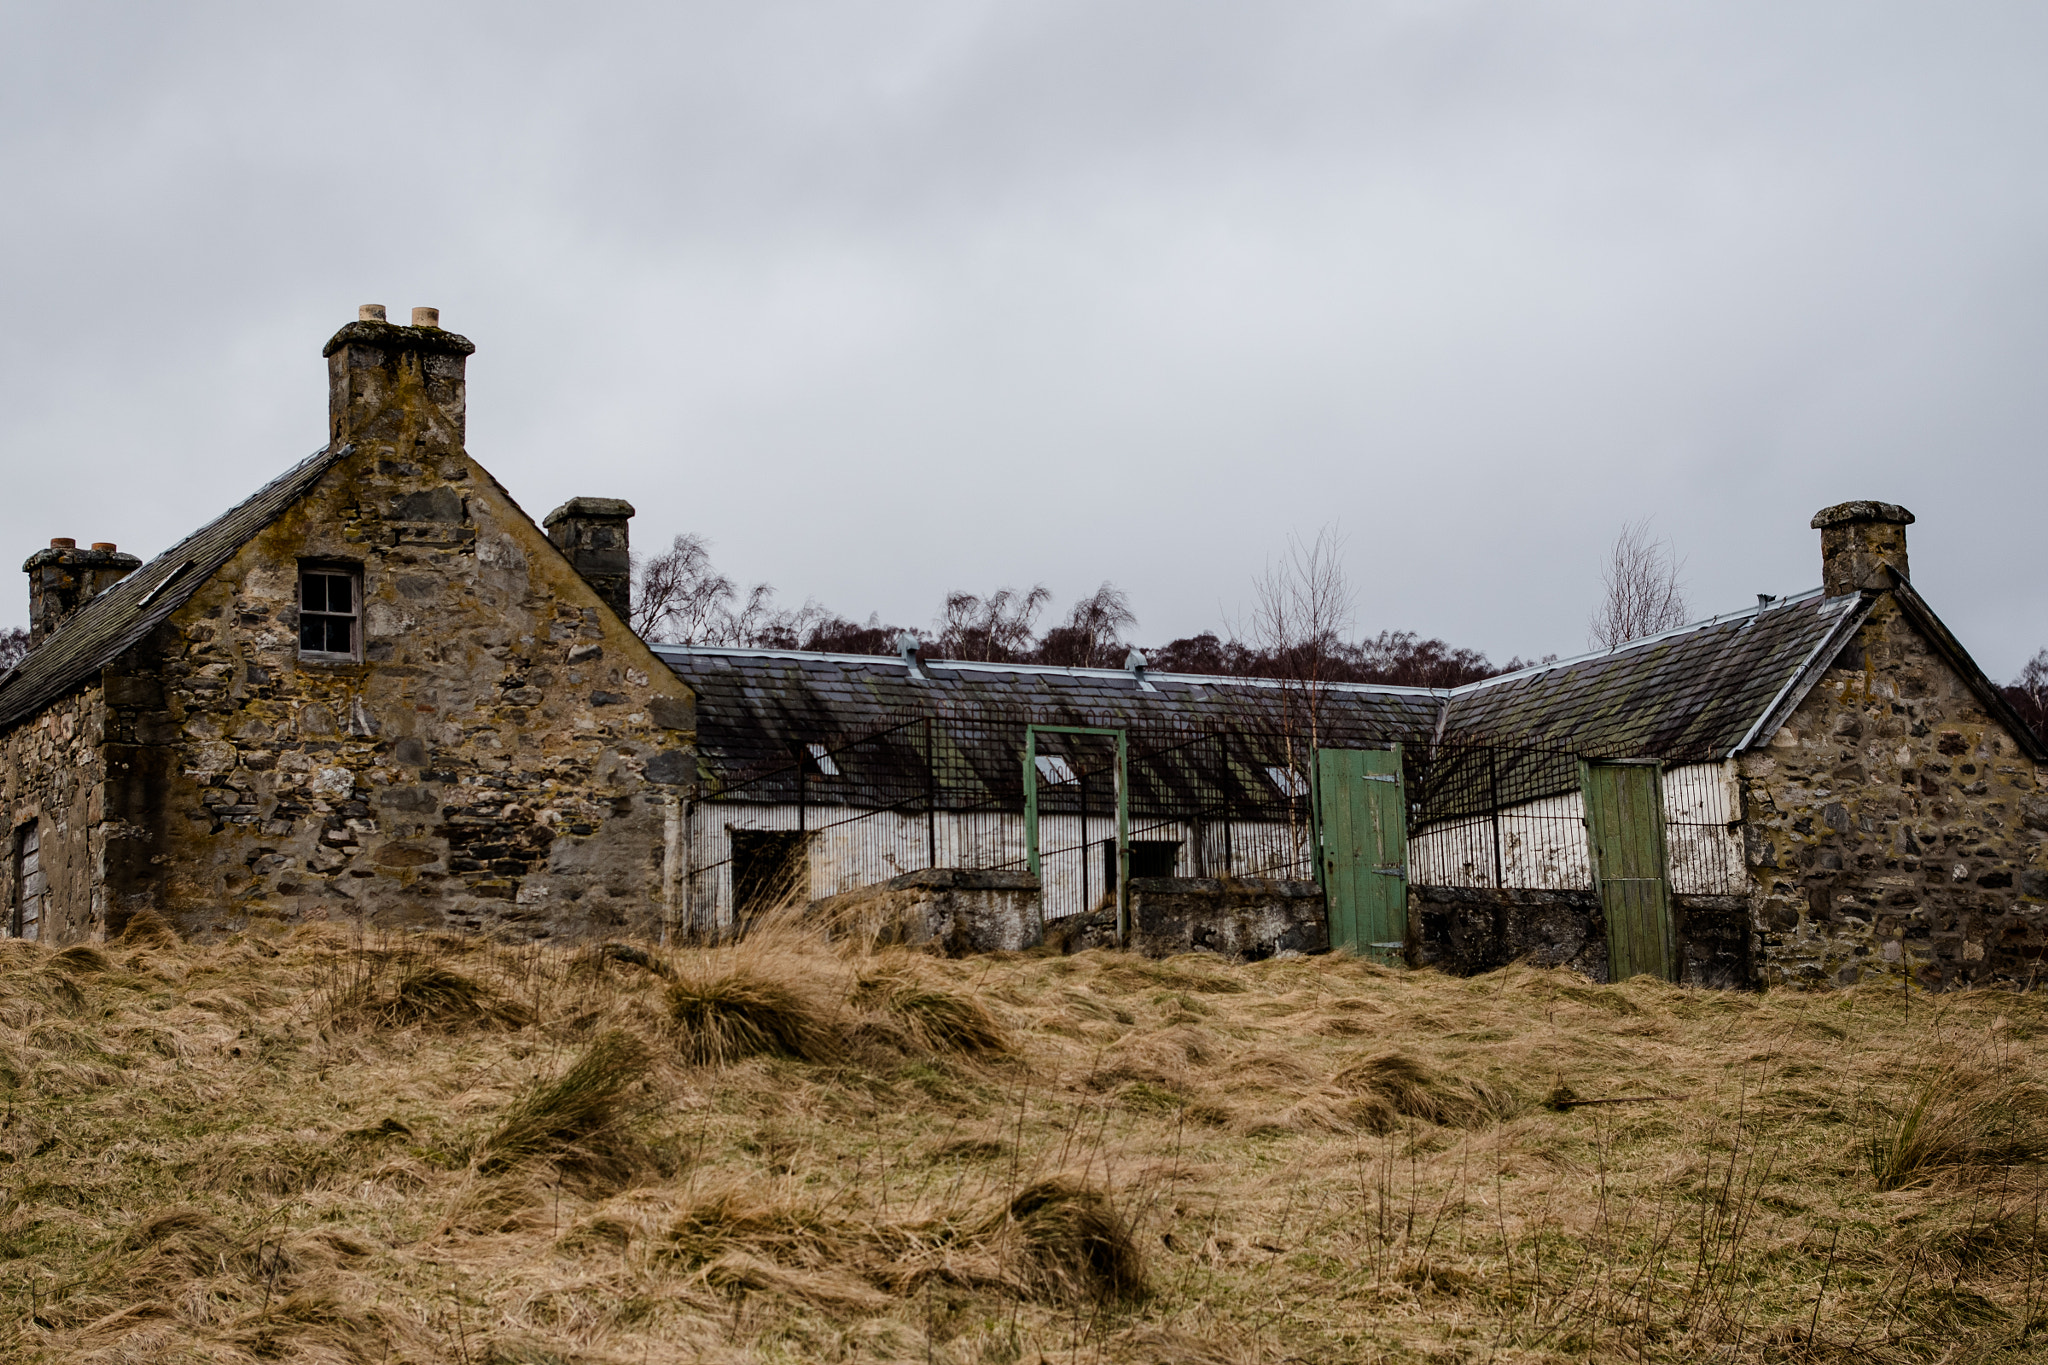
(1625, 838)
(1123, 813)
(1361, 834)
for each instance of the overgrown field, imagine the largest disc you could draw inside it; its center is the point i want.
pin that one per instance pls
(321, 1146)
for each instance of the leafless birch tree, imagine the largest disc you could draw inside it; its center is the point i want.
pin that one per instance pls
(1302, 609)
(997, 627)
(1644, 594)
(1093, 634)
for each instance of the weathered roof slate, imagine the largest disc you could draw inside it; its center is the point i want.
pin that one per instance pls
(1696, 692)
(752, 705)
(114, 622)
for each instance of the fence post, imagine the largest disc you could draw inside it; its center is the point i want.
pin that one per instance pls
(1031, 802)
(1123, 840)
(931, 797)
(800, 790)
(1223, 746)
(1493, 809)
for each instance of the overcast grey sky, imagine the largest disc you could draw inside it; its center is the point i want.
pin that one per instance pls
(888, 299)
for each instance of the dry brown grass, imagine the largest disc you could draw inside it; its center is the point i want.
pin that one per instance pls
(312, 1146)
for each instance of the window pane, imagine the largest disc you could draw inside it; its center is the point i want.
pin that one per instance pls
(311, 633)
(337, 634)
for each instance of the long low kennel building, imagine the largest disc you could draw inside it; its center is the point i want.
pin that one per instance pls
(378, 691)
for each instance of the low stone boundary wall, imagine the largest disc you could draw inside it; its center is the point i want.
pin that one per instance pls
(1467, 930)
(950, 910)
(1242, 919)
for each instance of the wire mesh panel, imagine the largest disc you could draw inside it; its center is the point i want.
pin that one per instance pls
(1702, 829)
(946, 789)
(1494, 815)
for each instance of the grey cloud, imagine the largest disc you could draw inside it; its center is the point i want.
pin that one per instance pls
(888, 299)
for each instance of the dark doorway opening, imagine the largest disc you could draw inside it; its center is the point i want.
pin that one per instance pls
(768, 868)
(1149, 858)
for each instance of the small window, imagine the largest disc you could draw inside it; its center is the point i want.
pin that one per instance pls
(1055, 771)
(330, 614)
(821, 762)
(1289, 782)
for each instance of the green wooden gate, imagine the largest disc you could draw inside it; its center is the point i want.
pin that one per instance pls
(1625, 833)
(1362, 838)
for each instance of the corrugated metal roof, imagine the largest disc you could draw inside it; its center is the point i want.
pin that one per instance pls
(112, 623)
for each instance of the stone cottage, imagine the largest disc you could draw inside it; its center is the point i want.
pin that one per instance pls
(1846, 794)
(375, 689)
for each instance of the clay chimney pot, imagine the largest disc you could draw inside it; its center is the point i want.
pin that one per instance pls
(426, 317)
(370, 312)
(63, 543)
(105, 545)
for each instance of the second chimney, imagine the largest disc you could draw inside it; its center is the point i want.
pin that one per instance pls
(64, 578)
(1857, 541)
(592, 532)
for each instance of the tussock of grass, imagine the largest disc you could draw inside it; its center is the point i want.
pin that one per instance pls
(578, 1122)
(147, 929)
(426, 995)
(1394, 1084)
(1056, 1240)
(759, 1005)
(1956, 1119)
(80, 958)
(1077, 1242)
(942, 1020)
(996, 1160)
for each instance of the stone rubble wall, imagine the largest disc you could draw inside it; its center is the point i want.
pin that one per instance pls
(954, 911)
(1893, 826)
(505, 758)
(1468, 930)
(1244, 919)
(52, 772)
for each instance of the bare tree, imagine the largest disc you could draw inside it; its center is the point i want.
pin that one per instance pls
(996, 627)
(680, 598)
(1303, 606)
(1644, 594)
(13, 646)
(1093, 634)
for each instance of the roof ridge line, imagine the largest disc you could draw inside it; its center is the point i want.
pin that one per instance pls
(1061, 670)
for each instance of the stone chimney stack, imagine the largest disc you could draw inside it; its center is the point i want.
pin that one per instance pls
(1857, 541)
(64, 578)
(396, 388)
(592, 532)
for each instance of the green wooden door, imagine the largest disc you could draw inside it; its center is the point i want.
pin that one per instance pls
(1625, 832)
(1362, 817)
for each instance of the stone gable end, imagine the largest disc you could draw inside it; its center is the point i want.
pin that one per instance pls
(1893, 826)
(485, 765)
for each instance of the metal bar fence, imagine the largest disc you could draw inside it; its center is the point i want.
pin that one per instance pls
(945, 789)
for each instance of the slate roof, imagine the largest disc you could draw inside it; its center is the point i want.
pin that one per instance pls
(1703, 691)
(754, 705)
(114, 622)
